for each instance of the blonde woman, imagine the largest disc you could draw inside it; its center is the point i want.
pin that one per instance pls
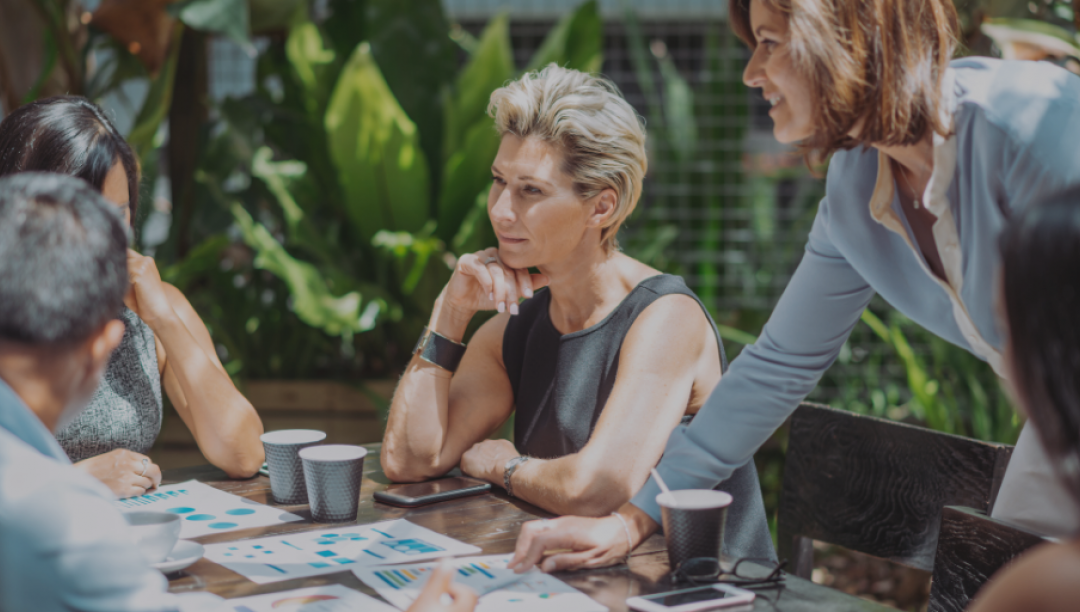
(603, 358)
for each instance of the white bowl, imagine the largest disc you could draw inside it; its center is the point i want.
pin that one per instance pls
(155, 533)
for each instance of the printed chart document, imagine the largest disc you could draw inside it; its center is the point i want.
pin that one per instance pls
(499, 588)
(204, 510)
(328, 598)
(329, 550)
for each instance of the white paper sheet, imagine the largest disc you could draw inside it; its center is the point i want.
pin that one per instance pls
(500, 588)
(326, 598)
(204, 510)
(333, 549)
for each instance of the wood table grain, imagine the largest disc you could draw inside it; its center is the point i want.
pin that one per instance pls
(492, 522)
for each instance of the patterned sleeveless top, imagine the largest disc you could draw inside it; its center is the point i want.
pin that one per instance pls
(562, 383)
(125, 411)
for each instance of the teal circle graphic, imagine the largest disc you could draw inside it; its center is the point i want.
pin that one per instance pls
(180, 510)
(240, 511)
(221, 525)
(201, 517)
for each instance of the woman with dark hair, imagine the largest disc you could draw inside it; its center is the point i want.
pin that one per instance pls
(930, 157)
(165, 343)
(1040, 299)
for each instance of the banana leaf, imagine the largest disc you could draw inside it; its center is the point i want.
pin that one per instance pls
(227, 17)
(312, 300)
(467, 172)
(312, 64)
(488, 69)
(411, 44)
(375, 149)
(575, 42)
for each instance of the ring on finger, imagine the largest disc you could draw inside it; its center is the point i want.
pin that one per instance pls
(145, 464)
(491, 260)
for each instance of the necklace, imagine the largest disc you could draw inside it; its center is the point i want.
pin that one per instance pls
(916, 199)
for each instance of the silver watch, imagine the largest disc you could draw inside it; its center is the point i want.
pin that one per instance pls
(511, 467)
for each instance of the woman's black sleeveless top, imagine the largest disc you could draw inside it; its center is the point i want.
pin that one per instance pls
(562, 382)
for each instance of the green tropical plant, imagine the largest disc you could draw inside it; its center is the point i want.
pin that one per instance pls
(358, 170)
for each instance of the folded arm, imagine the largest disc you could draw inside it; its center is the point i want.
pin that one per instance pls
(224, 423)
(670, 348)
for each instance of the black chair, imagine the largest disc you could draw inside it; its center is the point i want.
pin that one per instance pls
(877, 486)
(971, 548)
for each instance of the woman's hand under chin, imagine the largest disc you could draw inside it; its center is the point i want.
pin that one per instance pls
(482, 282)
(146, 296)
(487, 460)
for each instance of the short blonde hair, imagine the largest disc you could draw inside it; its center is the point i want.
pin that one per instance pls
(585, 116)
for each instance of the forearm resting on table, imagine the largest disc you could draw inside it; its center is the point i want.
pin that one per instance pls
(224, 423)
(573, 484)
(416, 430)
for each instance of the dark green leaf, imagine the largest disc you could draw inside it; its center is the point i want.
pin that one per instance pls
(575, 42)
(228, 17)
(416, 56)
(156, 106)
(487, 70)
(375, 148)
(467, 172)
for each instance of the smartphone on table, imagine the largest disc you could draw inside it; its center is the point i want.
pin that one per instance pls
(691, 600)
(431, 491)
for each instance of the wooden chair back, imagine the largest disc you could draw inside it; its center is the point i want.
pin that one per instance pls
(971, 548)
(877, 486)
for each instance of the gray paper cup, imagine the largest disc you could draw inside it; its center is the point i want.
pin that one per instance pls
(693, 525)
(286, 471)
(333, 473)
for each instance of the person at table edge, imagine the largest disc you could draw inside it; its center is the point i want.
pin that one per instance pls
(63, 544)
(605, 355)
(165, 342)
(931, 158)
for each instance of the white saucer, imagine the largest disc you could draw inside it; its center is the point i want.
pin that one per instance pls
(183, 554)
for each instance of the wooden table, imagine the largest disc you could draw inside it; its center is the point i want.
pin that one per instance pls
(492, 522)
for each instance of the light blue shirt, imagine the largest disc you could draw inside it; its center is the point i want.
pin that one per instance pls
(63, 545)
(1016, 134)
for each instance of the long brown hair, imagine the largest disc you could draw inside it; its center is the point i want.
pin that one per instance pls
(876, 61)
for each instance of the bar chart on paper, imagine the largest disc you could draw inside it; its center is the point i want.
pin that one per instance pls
(204, 510)
(499, 587)
(312, 553)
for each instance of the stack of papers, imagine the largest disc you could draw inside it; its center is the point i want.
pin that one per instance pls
(204, 510)
(500, 588)
(329, 550)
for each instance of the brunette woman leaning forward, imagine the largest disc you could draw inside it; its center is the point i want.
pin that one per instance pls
(165, 343)
(930, 159)
(601, 363)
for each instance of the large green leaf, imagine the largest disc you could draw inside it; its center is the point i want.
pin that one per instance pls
(312, 64)
(156, 106)
(375, 149)
(467, 172)
(680, 124)
(228, 17)
(488, 69)
(575, 42)
(312, 300)
(346, 25)
(411, 44)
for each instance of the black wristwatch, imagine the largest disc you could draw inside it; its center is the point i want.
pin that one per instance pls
(436, 348)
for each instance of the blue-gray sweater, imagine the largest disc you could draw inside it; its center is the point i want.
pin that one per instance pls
(1016, 133)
